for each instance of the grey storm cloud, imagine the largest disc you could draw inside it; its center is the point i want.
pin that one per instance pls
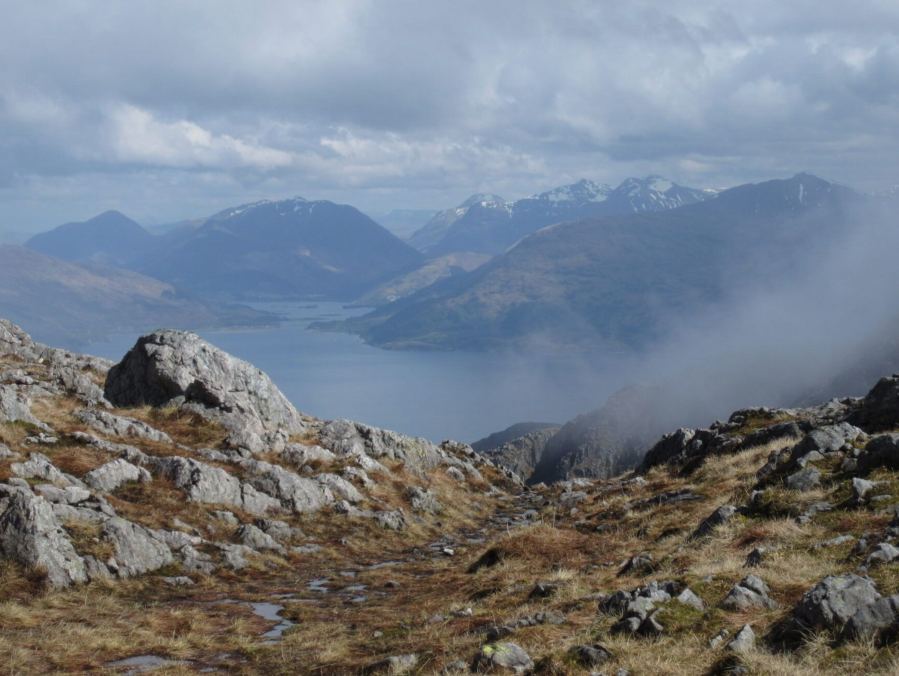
(170, 109)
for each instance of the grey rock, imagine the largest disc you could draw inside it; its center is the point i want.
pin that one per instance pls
(31, 534)
(751, 592)
(455, 667)
(195, 561)
(830, 604)
(70, 495)
(38, 466)
(340, 487)
(138, 550)
(877, 620)
(882, 553)
(176, 539)
(880, 407)
(113, 475)
(392, 666)
(355, 474)
(718, 638)
(881, 451)
(17, 407)
(347, 438)
(720, 516)
(300, 495)
(502, 656)
(235, 556)
(225, 517)
(590, 655)
(834, 542)
(120, 426)
(299, 455)
(423, 500)
(638, 563)
(861, 488)
(180, 581)
(280, 530)
(455, 474)
(257, 539)
(743, 642)
(179, 368)
(805, 480)
(689, 598)
(80, 385)
(571, 499)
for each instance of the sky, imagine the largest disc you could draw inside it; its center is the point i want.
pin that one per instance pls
(168, 110)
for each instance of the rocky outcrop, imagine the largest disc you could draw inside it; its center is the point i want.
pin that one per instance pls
(348, 438)
(180, 369)
(138, 550)
(31, 534)
(830, 605)
(522, 454)
(113, 475)
(15, 407)
(120, 426)
(879, 409)
(605, 442)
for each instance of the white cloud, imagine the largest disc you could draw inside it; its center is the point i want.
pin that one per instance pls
(136, 136)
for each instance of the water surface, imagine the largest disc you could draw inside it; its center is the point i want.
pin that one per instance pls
(437, 395)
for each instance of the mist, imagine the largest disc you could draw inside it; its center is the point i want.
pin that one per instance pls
(803, 319)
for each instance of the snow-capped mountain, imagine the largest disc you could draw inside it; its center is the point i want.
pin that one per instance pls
(486, 224)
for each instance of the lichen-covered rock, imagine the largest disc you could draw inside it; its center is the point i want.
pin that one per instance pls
(113, 475)
(138, 550)
(31, 534)
(502, 656)
(179, 368)
(120, 426)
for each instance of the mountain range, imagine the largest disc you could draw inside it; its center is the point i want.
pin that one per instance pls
(489, 224)
(611, 283)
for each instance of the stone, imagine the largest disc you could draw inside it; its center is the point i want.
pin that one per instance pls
(80, 385)
(340, 488)
(138, 550)
(571, 499)
(831, 603)
(120, 426)
(257, 539)
(805, 480)
(38, 466)
(31, 534)
(70, 495)
(423, 500)
(348, 438)
(834, 542)
(113, 475)
(392, 666)
(543, 590)
(861, 488)
(455, 474)
(180, 581)
(179, 368)
(880, 407)
(298, 494)
(751, 592)
(881, 451)
(720, 516)
(225, 517)
(879, 620)
(590, 655)
(455, 667)
(743, 642)
(687, 597)
(299, 455)
(235, 556)
(502, 656)
(17, 407)
(882, 553)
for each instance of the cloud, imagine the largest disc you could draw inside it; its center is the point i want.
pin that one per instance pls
(392, 103)
(136, 136)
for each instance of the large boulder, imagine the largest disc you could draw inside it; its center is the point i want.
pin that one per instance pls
(830, 604)
(138, 550)
(31, 534)
(880, 407)
(180, 369)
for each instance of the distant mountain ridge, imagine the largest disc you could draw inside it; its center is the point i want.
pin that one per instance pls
(109, 239)
(607, 283)
(488, 224)
(73, 304)
(280, 249)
